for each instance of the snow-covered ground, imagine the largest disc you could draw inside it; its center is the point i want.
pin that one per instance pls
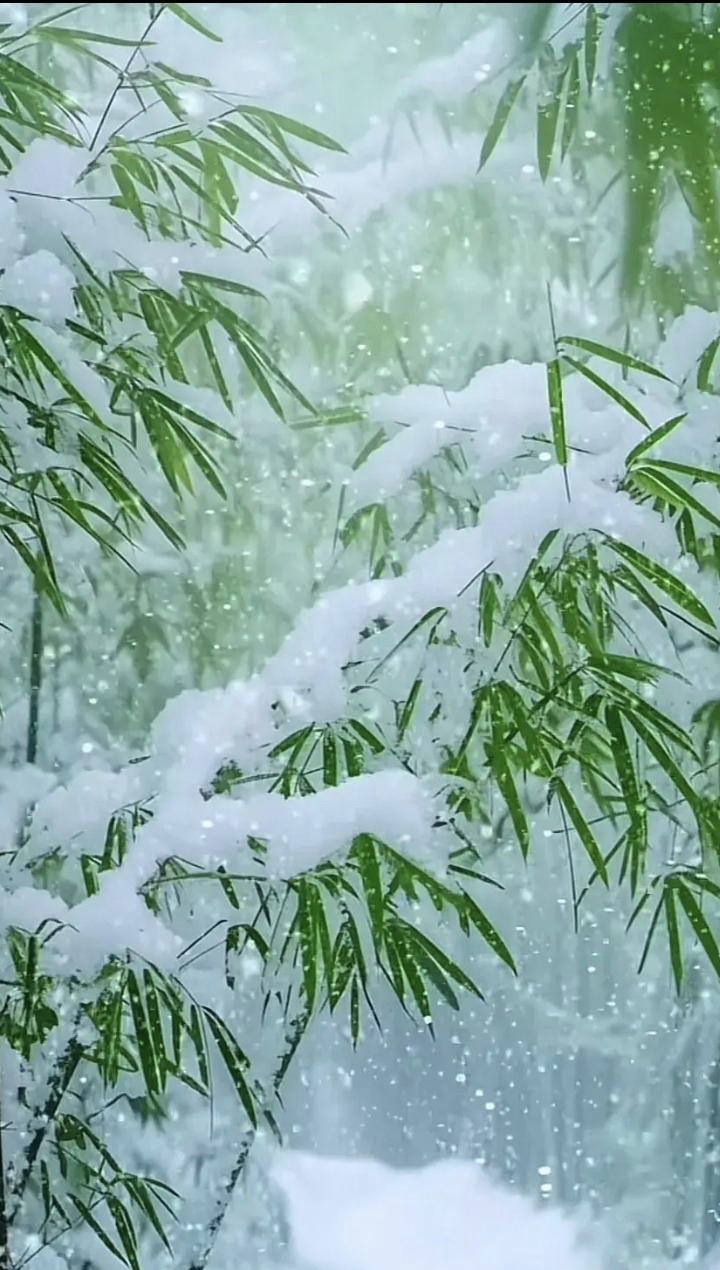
(358, 1214)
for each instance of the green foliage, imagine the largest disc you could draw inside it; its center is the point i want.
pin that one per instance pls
(556, 710)
(663, 61)
(93, 391)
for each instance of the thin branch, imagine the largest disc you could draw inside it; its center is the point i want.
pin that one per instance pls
(294, 1035)
(121, 77)
(58, 1085)
(5, 1262)
(36, 646)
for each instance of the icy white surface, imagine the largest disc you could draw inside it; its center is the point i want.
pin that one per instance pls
(359, 1214)
(40, 285)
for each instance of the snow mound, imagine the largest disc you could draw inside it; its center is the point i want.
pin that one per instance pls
(363, 1215)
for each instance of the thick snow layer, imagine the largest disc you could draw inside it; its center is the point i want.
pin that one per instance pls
(298, 832)
(358, 193)
(687, 339)
(362, 1215)
(40, 285)
(199, 731)
(447, 78)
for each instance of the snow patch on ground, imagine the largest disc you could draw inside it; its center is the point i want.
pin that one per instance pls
(363, 1215)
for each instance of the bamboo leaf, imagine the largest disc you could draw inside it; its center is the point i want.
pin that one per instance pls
(583, 831)
(500, 118)
(592, 35)
(668, 582)
(654, 479)
(572, 104)
(234, 1060)
(626, 360)
(502, 772)
(125, 1231)
(671, 921)
(557, 411)
(609, 390)
(548, 113)
(191, 20)
(654, 437)
(699, 923)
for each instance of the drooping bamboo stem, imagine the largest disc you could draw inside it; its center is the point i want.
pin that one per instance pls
(36, 647)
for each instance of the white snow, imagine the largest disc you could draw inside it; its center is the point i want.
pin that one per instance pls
(11, 236)
(199, 730)
(359, 1214)
(41, 286)
(686, 340)
(299, 832)
(447, 78)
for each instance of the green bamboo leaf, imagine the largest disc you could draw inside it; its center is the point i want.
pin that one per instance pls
(532, 571)
(699, 924)
(673, 587)
(660, 908)
(431, 970)
(294, 127)
(548, 114)
(306, 931)
(356, 945)
(38, 568)
(705, 365)
(583, 831)
(466, 904)
(700, 474)
(517, 713)
(140, 1194)
(408, 709)
(572, 103)
(636, 668)
(371, 739)
(191, 20)
(592, 35)
(500, 118)
(342, 968)
(671, 921)
(557, 411)
(354, 1012)
(365, 858)
(502, 773)
(330, 758)
(626, 360)
(654, 437)
(664, 758)
(403, 955)
(354, 757)
(660, 722)
(93, 1224)
(234, 1060)
(294, 742)
(653, 478)
(196, 1032)
(703, 882)
(125, 1231)
(488, 606)
(608, 389)
(143, 1037)
(89, 37)
(623, 762)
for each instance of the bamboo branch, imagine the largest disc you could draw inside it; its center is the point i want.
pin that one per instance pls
(120, 81)
(5, 1262)
(36, 648)
(293, 1036)
(58, 1085)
